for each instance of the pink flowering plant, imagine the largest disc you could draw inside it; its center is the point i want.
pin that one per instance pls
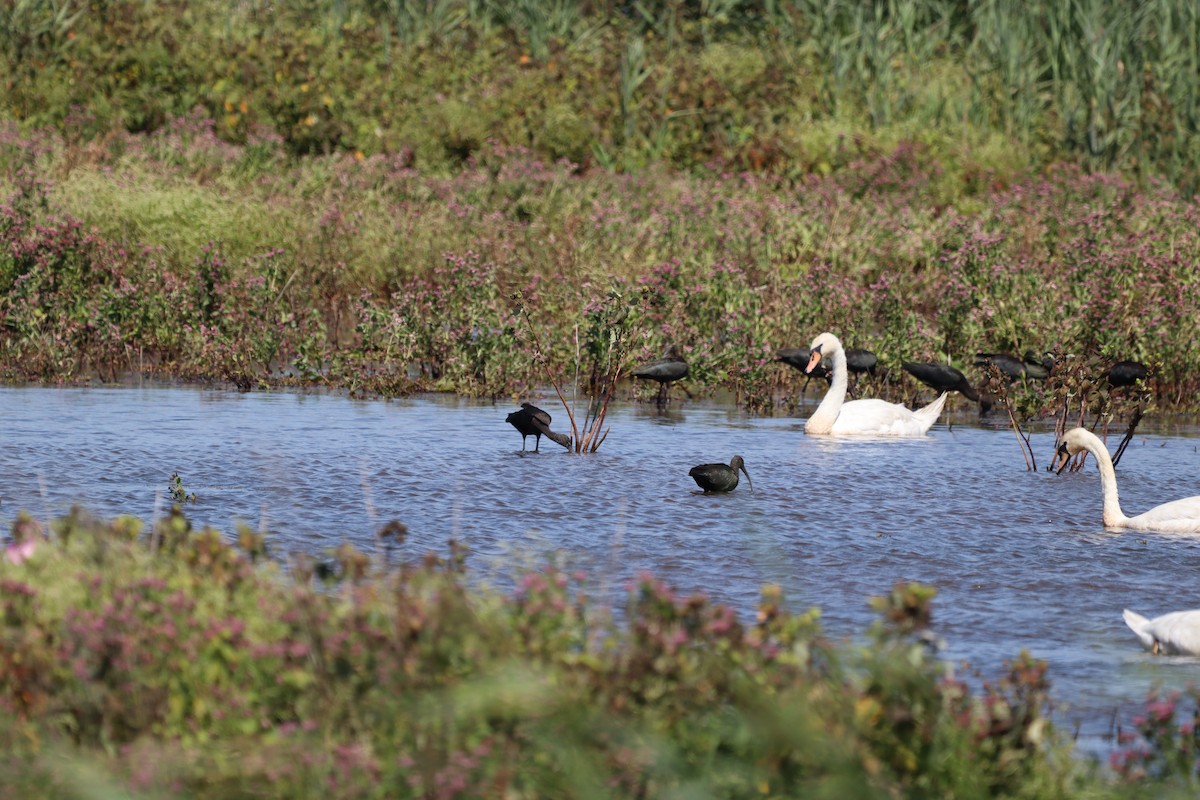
(177, 663)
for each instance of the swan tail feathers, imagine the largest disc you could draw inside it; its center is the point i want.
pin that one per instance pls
(1137, 623)
(931, 412)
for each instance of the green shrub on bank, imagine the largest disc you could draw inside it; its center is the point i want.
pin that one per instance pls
(177, 664)
(371, 275)
(744, 84)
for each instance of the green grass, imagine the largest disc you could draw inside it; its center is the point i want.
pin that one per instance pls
(627, 86)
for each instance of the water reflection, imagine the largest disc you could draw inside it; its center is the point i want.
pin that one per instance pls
(1020, 558)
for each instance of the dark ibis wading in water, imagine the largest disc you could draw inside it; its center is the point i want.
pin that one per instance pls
(945, 378)
(666, 370)
(532, 421)
(720, 477)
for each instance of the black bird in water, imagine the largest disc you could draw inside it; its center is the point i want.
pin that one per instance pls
(714, 478)
(532, 421)
(1126, 373)
(945, 378)
(860, 360)
(857, 361)
(797, 358)
(666, 370)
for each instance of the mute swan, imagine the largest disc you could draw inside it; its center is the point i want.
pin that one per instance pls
(530, 420)
(872, 417)
(1178, 516)
(1174, 634)
(720, 477)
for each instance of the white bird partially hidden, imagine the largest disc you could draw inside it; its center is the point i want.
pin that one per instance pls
(1174, 634)
(870, 417)
(1177, 516)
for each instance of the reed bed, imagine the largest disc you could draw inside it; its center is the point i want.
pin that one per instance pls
(765, 85)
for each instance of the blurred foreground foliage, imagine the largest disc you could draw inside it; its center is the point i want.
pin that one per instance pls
(172, 663)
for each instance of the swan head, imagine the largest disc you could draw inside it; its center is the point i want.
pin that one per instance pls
(1073, 441)
(826, 344)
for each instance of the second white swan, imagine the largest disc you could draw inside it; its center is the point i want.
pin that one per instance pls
(1177, 516)
(1174, 634)
(870, 417)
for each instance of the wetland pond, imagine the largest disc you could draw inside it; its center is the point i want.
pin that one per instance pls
(1020, 559)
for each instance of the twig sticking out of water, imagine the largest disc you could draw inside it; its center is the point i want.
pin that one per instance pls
(607, 343)
(1080, 389)
(1133, 423)
(998, 387)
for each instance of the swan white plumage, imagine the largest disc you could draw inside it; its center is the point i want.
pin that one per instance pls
(1177, 516)
(870, 417)
(1174, 634)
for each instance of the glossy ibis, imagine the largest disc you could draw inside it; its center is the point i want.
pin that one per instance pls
(797, 358)
(1126, 373)
(945, 378)
(666, 370)
(530, 420)
(871, 417)
(1013, 368)
(859, 360)
(1009, 366)
(714, 478)
(1037, 366)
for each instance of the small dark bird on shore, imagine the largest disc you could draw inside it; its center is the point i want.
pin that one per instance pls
(1126, 373)
(945, 378)
(666, 370)
(532, 421)
(714, 478)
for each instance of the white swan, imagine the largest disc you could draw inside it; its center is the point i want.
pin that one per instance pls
(872, 417)
(1178, 516)
(1174, 634)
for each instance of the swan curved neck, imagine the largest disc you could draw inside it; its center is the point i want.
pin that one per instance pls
(831, 405)
(1113, 515)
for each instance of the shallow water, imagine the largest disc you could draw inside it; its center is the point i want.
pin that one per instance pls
(1020, 558)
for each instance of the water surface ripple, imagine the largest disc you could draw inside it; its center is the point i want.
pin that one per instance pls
(1020, 559)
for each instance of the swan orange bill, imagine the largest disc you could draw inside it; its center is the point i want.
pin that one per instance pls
(814, 359)
(1061, 459)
